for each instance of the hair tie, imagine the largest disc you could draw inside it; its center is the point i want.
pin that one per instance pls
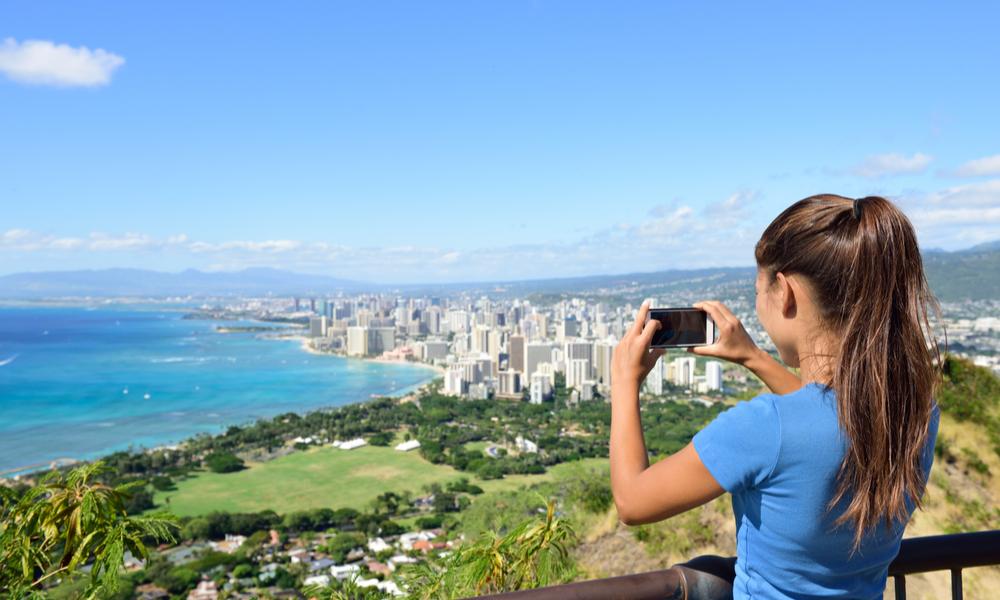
(857, 209)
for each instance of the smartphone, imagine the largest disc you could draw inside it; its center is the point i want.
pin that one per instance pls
(681, 327)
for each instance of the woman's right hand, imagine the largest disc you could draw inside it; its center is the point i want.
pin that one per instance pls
(734, 342)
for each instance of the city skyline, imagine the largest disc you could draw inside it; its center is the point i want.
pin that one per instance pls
(457, 143)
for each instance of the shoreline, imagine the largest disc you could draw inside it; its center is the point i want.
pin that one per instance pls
(306, 345)
(28, 468)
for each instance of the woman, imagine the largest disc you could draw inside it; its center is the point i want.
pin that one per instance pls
(826, 471)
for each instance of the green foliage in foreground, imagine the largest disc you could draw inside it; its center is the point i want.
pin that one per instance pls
(532, 554)
(60, 524)
(971, 393)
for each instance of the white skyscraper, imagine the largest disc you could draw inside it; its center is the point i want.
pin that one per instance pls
(654, 381)
(684, 371)
(603, 352)
(713, 375)
(577, 371)
(458, 321)
(357, 341)
(541, 388)
(579, 350)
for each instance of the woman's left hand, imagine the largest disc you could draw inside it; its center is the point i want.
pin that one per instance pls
(632, 360)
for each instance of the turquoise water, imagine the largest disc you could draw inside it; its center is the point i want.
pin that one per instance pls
(77, 382)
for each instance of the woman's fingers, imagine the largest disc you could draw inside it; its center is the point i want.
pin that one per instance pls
(720, 314)
(654, 355)
(640, 319)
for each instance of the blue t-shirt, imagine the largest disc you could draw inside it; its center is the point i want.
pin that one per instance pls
(779, 457)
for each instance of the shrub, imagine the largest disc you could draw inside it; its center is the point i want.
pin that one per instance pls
(432, 522)
(381, 439)
(242, 571)
(163, 483)
(223, 462)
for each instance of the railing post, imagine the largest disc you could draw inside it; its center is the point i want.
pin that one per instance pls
(956, 584)
(900, 585)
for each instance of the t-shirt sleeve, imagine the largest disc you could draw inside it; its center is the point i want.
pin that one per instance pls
(740, 447)
(927, 456)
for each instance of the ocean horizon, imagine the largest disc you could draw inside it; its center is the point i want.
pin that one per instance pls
(83, 381)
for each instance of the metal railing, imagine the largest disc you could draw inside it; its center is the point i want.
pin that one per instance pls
(711, 577)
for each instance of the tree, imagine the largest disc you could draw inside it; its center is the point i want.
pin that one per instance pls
(162, 483)
(71, 520)
(444, 502)
(380, 439)
(223, 462)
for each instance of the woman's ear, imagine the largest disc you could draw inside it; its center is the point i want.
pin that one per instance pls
(786, 295)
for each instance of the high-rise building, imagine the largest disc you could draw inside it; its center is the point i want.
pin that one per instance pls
(454, 384)
(536, 353)
(458, 321)
(509, 384)
(603, 352)
(312, 305)
(567, 328)
(541, 388)
(357, 341)
(471, 372)
(481, 339)
(577, 371)
(684, 371)
(433, 320)
(315, 327)
(435, 349)
(381, 339)
(515, 351)
(543, 324)
(579, 350)
(485, 363)
(494, 344)
(713, 375)
(654, 381)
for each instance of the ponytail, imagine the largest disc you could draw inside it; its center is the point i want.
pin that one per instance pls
(863, 263)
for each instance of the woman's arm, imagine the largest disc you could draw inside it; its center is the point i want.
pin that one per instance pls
(736, 346)
(645, 494)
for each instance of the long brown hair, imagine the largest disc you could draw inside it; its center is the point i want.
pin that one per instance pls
(862, 262)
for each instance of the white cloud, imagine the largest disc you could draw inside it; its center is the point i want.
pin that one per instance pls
(958, 217)
(979, 167)
(878, 166)
(44, 63)
(676, 223)
(731, 210)
(678, 240)
(973, 195)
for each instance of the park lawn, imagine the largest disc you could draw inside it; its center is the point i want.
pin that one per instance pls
(318, 478)
(327, 478)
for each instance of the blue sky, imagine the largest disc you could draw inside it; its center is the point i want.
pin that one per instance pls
(461, 141)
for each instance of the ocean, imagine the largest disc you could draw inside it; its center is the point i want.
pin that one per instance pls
(80, 382)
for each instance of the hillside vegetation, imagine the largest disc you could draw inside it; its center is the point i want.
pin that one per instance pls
(969, 275)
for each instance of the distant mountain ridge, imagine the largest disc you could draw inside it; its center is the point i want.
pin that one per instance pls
(139, 282)
(971, 274)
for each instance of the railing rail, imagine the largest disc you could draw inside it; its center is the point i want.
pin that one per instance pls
(710, 578)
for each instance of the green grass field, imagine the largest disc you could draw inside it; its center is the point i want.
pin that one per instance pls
(321, 478)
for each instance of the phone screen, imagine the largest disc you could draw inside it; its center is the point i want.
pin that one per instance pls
(678, 327)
